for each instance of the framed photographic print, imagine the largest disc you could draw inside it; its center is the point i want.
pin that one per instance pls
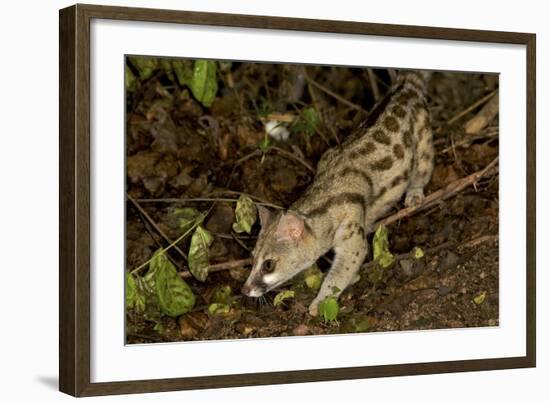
(251, 200)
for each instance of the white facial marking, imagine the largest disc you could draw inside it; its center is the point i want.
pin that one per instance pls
(255, 293)
(269, 279)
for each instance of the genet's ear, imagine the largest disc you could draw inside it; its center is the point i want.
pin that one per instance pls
(291, 226)
(265, 215)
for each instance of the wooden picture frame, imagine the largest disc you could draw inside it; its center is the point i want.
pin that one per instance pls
(74, 204)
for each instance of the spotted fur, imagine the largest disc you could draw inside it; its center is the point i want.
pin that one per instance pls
(390, 155)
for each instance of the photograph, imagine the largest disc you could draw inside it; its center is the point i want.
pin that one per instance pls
(273, 200)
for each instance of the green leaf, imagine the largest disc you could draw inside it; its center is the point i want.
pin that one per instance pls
(307, 122)
(382, 256)
(264, 143)
(311, 120)
(183, 71)
(166, 66)
(144, 299)
(329, 309)
(198, 253)
(186, 217)
(218, 309)
(131, 291)
(313, 277)
(245, 214)
(282, 296)
(480, 298)
(174, 295)
(265, 107)
(204, 84)
(418, 252)
(362, 326)
(159, 328)
(129, 79)
(221, 295)
(144, 65)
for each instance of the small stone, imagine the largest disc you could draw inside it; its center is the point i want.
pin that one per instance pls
(444, 290)
(186, 328)
(450, 261)
(301, 330)
(407, 266)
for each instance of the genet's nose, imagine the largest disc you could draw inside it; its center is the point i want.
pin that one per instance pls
(246, 289)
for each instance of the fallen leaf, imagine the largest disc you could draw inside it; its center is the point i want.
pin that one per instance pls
(480, 298)
(282, 296)
(245, 214)
(199, 253)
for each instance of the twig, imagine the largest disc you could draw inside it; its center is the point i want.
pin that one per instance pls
(484, 117)
(150, 232)
(373, 84)
(188, 200)
(467, 110)
(393, 74)
(252, 154)
(469, 140)
(293, 157)
(232, 236)
(336, 96)
(479, 240)
(222, 266)
(155, 226)
(318, 110)
(241, 243)
(164, 250)
(450, 190)
(259, 199)
(283, 117)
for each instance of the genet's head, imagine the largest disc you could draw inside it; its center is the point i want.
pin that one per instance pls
(284, 248)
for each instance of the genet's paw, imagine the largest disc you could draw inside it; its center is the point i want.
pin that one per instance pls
(414, 197)
(314, 308)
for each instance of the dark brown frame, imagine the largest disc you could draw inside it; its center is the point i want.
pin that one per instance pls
(74, 203)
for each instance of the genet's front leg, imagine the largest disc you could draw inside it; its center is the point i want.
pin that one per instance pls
(349, 254)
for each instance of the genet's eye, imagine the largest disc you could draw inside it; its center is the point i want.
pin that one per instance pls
(268, 266)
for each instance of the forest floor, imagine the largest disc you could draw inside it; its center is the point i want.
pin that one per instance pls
(181, 153)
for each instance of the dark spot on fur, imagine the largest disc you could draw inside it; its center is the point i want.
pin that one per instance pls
(418, 107)
(396, 181)
(354, 171)
(382, 191)
(382, 164)
(381, 136)
(426, 156)
(379, 108)
(412, 94)
(403, 99)
(354, 154)
(407, 138)
(416, 83)
(398, 111)
(391, 124)
(338, 200)
(398, 151)
(367, 149)
(361, 232)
